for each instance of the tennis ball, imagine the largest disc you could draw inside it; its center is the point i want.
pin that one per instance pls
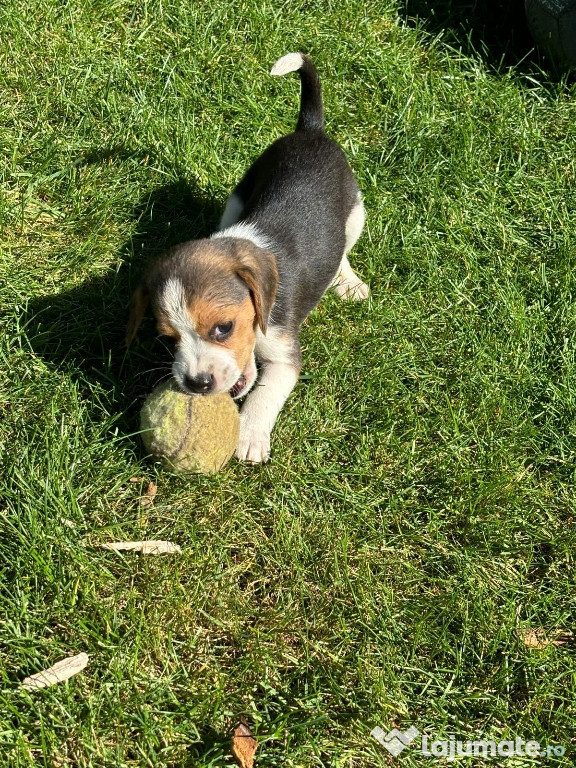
(190, 433)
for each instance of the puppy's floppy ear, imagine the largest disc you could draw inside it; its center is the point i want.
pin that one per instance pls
(140, 301)
(257, 268)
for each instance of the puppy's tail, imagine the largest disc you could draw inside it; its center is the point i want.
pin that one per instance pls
(311, 117)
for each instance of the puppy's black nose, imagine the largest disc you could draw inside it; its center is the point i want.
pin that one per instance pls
(200, 384)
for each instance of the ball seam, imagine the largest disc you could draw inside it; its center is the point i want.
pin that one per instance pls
(182, 442)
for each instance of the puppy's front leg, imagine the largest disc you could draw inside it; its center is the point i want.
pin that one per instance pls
(261, 410)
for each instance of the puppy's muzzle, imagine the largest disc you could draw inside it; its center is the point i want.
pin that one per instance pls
(202, 384)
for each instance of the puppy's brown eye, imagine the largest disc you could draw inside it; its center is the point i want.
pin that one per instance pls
(222, 331)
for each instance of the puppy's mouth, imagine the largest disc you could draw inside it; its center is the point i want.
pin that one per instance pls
(239, 387)
(245, 381)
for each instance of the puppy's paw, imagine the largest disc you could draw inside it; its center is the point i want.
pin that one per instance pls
(254, 444)
(352, 291)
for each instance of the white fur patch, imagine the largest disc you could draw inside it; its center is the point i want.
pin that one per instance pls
(174, 304)
(273, 347)
(245, 231)
(348, 285)
(291, 62)
(354, 224)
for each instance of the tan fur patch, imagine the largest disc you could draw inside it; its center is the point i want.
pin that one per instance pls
(206, 315)
(165, 329)
(140, 301)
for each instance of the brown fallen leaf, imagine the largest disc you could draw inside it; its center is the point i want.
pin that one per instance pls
(244, 745)
(62, 670)
(147, 497)
(538, 638)
(150, 547)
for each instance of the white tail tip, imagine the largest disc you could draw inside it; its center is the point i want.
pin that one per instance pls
(289, 63)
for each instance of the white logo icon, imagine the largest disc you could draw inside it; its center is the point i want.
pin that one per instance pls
(395, 741)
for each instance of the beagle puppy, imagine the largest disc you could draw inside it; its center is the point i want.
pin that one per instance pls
(241, 295)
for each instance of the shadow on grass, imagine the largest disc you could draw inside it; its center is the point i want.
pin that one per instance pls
(82, 330)
(494, 29)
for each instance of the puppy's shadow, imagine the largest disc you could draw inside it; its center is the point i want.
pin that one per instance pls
(495, 29)
(81, 331)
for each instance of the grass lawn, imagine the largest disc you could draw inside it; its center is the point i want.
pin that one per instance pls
(407, 557)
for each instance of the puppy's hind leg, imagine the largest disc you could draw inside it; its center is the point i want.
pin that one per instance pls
(232, 212)
(237, 200)
(347, 284)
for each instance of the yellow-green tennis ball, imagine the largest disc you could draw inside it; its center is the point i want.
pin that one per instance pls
(190, 433)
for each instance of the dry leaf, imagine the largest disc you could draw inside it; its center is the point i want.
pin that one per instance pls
(533, 638)
(62, 670)
(244, 745)
(537, 638)
(147, 497)
(136, 480)
(151, 547)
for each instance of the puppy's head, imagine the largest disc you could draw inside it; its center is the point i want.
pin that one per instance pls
(210, 296)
